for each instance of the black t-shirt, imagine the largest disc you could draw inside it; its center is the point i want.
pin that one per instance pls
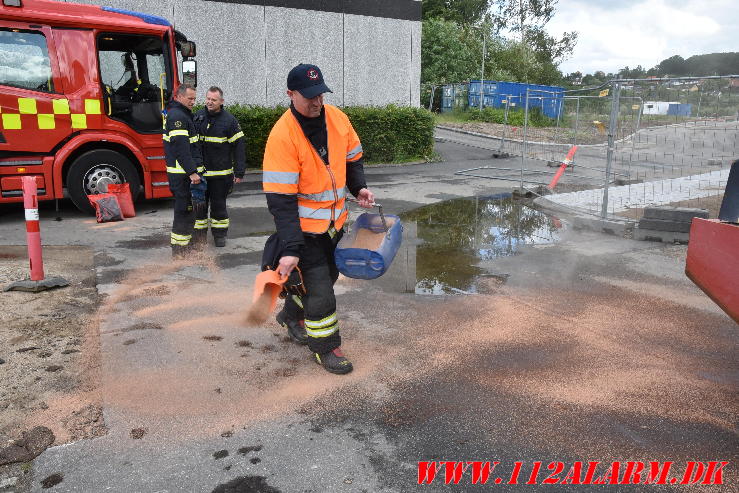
(315, 130)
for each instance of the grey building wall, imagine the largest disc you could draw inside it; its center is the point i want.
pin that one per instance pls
(369, 51)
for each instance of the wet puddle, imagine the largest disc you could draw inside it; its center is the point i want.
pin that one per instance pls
(455, 235)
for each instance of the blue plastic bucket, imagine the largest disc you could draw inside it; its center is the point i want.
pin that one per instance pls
(367, 251)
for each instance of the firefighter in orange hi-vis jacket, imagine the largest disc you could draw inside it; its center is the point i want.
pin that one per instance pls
(312, 156)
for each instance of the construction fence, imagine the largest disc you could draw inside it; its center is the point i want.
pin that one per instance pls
(650, 141)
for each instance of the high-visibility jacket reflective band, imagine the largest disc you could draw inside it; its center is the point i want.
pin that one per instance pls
(179, 169)
(220, 172)
(293, 167)
(180, 133)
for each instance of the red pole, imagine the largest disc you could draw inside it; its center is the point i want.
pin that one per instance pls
(562, 168)
(33, 231)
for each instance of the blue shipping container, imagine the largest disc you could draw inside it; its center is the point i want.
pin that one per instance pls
(680, 109)
(548, 98)
(453, 96)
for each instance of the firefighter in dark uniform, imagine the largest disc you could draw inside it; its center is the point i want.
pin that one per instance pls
(222, 144)
(312, 156)
(182, 153)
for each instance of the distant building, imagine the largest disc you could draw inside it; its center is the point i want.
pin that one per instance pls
(666, 108)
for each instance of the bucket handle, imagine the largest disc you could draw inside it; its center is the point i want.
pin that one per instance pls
(379, 207)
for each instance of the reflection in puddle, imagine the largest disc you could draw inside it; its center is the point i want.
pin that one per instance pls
(458, 233)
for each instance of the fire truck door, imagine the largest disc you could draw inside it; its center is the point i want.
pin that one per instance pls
(35, 115)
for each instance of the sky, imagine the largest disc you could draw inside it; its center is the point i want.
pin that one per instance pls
(614, 34)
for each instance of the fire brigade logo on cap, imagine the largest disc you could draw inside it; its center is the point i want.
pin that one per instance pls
(306, 79)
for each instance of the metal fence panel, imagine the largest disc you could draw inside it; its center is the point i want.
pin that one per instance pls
(648, 141)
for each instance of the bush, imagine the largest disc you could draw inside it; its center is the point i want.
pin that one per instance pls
(388, 134)
(393, 133)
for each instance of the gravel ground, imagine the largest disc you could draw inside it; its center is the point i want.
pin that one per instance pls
(49, 371)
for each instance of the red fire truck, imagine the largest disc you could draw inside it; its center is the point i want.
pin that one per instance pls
(82, 91)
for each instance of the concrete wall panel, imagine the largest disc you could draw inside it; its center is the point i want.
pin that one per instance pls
(248, 50)
(230, 40)
(302, 36)
(376, 61)
(415, 63)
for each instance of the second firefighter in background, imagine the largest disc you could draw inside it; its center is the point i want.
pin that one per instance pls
(182, 153)
(222, 147)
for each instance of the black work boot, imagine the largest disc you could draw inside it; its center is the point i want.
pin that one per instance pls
(295, 328)
(334, 362)
(220, 241)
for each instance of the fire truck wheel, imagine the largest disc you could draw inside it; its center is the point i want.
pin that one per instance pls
(93, 171)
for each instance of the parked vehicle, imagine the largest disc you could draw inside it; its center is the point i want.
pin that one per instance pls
(712, 262)
(82, 95)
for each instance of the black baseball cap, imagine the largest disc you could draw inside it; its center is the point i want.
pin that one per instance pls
(307, 80)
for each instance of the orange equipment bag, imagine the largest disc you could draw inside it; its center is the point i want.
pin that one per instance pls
(125, 200)
(106, 207)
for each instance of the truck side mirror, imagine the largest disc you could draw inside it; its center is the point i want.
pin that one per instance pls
(187, 49)
(190, 72)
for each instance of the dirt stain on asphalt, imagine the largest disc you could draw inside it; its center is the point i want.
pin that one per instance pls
(246, 484)
(142, 326)
(220, 454)
(138, 433)
(227, 260)
(154, 241)
(52, 480)
(251, 448)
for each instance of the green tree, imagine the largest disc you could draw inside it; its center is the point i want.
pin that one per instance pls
(675, 65)
(448, 53)
(548, 48)
(596, 79)
(712, 64)
(574, 78)
(527, 19)
(453, 33)
(521, 15)
(463, 12)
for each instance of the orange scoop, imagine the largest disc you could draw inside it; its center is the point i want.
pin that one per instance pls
(267, 287)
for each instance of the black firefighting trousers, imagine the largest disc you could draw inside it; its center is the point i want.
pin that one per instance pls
(319, 304)
(184, 218)
(218, 188)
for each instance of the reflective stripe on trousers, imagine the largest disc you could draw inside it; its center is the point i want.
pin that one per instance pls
(219, 223)
(322, 328)
(182, 240)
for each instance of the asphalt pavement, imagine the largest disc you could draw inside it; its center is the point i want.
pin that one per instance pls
(570, 348)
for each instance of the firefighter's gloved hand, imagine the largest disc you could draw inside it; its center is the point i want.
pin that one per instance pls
(198, 190)
(294, 284)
